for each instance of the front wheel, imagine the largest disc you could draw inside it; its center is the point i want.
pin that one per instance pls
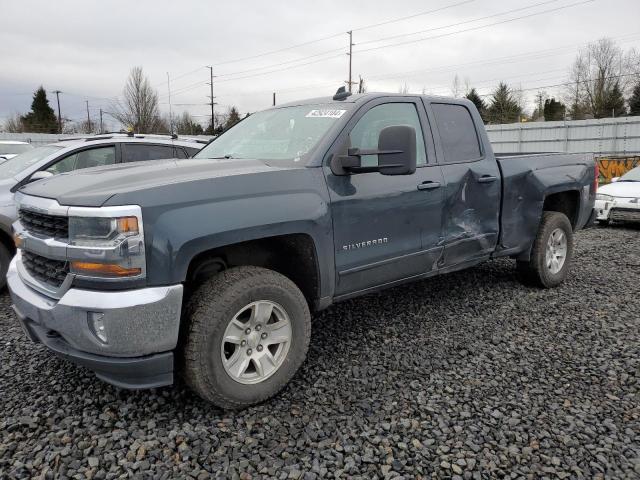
(5, 260)
(249, 333)
(551, 254)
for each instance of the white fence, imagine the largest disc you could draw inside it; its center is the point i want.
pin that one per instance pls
(617, 136)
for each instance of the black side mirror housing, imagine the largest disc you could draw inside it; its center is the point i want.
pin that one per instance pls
(396, 154)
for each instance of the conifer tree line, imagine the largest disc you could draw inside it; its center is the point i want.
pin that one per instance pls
(603, 81)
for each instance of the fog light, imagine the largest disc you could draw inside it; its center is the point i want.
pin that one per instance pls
(96, 325)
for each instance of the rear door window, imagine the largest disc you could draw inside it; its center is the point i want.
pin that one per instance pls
(138, 152)
(457, 132)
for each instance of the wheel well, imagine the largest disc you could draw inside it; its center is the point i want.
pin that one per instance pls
(294, 256)
(7, 241)
(563, 202)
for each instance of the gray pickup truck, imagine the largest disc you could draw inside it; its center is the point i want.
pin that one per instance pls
(211, 266)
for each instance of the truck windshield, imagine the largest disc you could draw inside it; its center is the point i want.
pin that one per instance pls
(17, 164)
(288, 133)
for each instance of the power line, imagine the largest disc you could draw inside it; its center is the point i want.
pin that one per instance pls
(477, 28)
(460, 23)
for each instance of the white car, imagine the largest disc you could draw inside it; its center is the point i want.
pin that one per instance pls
(11, 148)
(619, 201)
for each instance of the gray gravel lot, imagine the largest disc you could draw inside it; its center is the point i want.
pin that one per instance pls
(467, 376)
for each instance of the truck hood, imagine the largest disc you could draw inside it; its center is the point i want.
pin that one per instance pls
(92, 187)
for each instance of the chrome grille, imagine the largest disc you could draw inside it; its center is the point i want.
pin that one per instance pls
(625, 215)
(46, 270)
(43, 224)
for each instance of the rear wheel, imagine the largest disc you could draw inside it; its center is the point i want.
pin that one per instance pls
(249, 333)
(551, 254)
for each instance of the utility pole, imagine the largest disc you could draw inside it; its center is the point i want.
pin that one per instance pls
(349, 82)
(213, 120)
(274, 99)
(58, 92)
(101, 129)
(170, 114)
(88, 117)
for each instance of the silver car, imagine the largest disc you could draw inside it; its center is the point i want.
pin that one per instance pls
(74, 154)
(11, 148)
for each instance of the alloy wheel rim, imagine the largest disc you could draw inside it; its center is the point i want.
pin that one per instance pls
(556, 253)
(256, 342)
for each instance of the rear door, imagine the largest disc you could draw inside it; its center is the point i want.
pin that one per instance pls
(386, 228)
(472, 184)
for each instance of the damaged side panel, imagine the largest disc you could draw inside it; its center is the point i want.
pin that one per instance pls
(526, 182)
(471, 211)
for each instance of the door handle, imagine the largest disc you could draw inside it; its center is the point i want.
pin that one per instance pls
(428, 185)
(487, 179)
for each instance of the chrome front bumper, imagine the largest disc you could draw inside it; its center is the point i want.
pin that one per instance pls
(137, 322)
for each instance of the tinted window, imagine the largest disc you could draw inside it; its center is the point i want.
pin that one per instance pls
(191, 151)
(137, 152)
(180, 153)
(366, 132)
(457, 133)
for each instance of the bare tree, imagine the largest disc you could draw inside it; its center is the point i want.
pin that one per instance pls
(139, 108)
(601, 73)
(456, 88)
(403, 88)
(14, 124)
(362, 87)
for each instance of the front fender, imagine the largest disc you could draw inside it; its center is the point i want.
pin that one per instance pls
(178, 234)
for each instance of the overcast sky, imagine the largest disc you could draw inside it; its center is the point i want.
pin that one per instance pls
(86, 49)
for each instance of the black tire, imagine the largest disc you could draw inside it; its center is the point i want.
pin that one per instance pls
(535, 271)
(211, 309)
(5, 260)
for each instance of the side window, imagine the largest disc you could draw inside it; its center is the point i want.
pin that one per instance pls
(180, 153)
(137, 152)
(96, 157)
(365, 133)
(65, 165)
(457, 131)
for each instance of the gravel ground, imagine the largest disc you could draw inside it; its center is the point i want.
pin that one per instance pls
(467, 376)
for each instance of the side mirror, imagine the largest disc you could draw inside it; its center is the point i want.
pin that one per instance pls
(396, 154)
(39, 175)
(615, 179)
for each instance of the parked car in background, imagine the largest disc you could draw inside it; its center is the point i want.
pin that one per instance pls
(619, 201)
(74, 154)
(11, 148)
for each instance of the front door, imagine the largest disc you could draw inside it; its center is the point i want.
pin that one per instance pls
(386, 228)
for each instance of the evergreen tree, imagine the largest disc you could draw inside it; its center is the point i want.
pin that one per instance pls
(41, 118)
(233, 117)
(504, 107)
(634, 101)
(613, 104)
(473, 96)
(553, 110)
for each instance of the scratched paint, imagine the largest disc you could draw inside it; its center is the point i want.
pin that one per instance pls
(615, 167)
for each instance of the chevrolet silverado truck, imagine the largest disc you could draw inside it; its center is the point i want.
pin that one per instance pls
(210, 267)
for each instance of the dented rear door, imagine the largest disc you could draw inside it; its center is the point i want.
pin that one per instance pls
(472, 192)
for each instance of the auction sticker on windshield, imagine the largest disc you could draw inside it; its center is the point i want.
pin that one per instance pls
(325, 113)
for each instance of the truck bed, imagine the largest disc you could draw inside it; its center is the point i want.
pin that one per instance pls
(526, 181)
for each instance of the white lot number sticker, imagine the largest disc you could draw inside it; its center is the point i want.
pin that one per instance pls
(325, 113)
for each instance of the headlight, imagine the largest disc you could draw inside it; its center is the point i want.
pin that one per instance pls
(602, 196)
(107, 242)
